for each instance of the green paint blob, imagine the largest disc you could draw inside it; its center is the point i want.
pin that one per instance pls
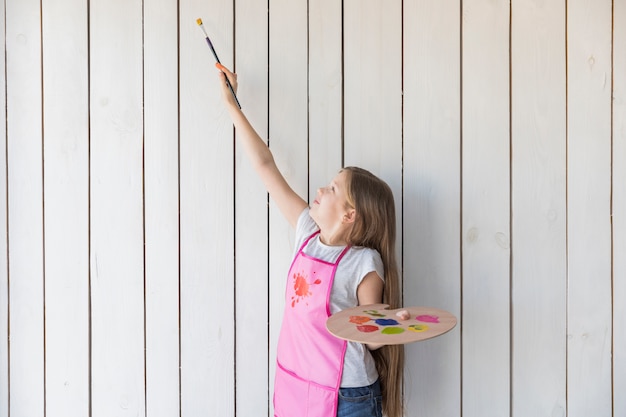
(392, 330)
(374, 313)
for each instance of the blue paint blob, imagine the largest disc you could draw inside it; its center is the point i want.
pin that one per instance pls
(386, 322)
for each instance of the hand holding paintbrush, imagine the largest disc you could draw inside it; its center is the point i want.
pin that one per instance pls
(229, 87)
(219, 64)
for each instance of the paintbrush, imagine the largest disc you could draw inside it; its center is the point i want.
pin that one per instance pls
(230, 87)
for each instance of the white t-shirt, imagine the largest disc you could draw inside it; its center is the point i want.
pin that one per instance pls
(359, 369)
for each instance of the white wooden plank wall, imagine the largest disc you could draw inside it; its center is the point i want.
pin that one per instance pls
(539, 209)
(207, 327)
(251, 216)
(287, 130)
(116, 223)
(4, 284)
(588, 209)
(25, 270)
(431, 197)
(161, 208)
(485, 209)
(618, 210)
(142, 266)
(66, 204)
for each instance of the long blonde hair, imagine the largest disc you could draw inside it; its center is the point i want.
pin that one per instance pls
(375, 227)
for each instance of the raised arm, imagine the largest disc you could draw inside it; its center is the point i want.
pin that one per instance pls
(260, 156)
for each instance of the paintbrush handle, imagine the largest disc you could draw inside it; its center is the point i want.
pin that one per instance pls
(230, 87)
(212, 49)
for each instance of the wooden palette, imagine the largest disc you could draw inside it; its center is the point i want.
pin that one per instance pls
(375, 324)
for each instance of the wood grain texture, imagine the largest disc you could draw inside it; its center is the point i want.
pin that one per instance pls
(376, 323)
(24, 149)
(618, 211)
(539, 272)
(486, 208)
(161, 217)
(325, 93)
(66, 208)
(116, 208)
(589, 384)
(288, 140)
(373, 87)
(251, 217)
(4, 258)
(207, 215)
(431, 198)
(373, 93)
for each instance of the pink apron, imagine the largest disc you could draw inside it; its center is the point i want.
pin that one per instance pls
(309, 359)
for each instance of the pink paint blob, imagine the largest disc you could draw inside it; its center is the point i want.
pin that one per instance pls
(427, 318)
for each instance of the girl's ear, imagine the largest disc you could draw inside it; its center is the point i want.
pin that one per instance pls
(349, 216)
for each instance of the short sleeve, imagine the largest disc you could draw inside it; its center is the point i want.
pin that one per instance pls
(370, 261)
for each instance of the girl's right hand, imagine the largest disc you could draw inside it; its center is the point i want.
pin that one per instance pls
(232, 77)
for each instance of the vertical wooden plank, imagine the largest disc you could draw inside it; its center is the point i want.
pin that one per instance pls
(116, 186)
(25, 207)
(288, 130)
(373, 92)
(539, 270)
(372, 51)
(431, 198)
(485, 208)
(325, 93)
(251, 211)
(588, 205)
(66, 197)
(161, 207)
(207, 214)
(619, 207)
(4, 273)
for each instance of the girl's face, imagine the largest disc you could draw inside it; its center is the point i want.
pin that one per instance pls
(330, 205)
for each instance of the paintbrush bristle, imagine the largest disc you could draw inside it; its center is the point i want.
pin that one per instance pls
(199, 22)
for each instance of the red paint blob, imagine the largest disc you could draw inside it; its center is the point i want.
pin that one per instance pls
(367, 328)
(300, 286)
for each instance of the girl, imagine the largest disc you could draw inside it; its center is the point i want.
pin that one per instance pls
(345, 257)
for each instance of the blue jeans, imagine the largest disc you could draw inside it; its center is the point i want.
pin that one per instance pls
(360, 402)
